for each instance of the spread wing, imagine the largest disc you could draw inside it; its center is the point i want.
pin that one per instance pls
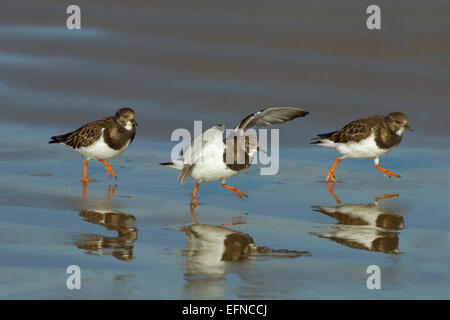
(194, 151)
(269, 116)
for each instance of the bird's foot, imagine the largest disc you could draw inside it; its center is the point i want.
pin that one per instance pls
(387, 173)
(239, 193)
(236, 191)
(85, 180)
(391, 174)
(331, 176)
(110, 171)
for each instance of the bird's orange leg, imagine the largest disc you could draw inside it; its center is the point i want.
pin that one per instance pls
(330, 190)
(386, 196)
(108, 168)
(387, 173)
(330, 173)
(237, 192)
(194, 202)
(85, 179)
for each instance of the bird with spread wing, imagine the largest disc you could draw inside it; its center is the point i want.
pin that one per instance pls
(210, 158)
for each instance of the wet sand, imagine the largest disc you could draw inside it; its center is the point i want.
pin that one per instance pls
(129, 244)
(175, 64)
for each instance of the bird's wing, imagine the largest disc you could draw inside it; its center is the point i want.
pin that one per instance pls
(85, 135)
(269, 116)
(194, 151)
(354, 131)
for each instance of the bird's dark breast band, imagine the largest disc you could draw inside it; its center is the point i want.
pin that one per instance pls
(238, 163)
(116, 137)
(386, 139)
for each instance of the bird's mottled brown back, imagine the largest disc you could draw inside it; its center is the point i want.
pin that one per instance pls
(356, 130)
(87, 134)
(361, 129)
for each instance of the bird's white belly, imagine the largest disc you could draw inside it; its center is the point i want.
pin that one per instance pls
(203, 174)
(100, 150)
(366, 148)
(211, 167)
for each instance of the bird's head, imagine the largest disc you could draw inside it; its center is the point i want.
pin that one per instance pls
(125, 117)
(397, 122)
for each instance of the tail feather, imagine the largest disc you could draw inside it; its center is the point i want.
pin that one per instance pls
(60, 139)
(320, 137)
(177, 164)
(185, 172)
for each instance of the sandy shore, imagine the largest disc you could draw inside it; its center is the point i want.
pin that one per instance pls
(174, 63)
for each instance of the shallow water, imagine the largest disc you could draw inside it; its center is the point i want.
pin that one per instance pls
(175, 64)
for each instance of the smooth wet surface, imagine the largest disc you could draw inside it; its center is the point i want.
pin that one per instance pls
(175, 64)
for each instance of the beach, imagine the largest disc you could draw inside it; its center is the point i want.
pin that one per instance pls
(174, 64)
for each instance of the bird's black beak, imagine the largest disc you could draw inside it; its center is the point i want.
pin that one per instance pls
(134, 122)
(408, 128)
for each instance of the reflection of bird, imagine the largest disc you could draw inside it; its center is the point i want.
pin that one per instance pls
(366, 138)
(208, 250)
(364, 226)
(121, 246)
(210, 158)
(102, 139)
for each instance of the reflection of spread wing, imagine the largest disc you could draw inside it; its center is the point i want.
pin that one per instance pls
(193, 152)
(270, 116)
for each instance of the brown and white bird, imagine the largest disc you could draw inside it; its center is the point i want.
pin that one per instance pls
(366, 138)
(102, 139)
(210, 158)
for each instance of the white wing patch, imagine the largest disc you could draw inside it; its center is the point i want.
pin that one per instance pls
(194, 151)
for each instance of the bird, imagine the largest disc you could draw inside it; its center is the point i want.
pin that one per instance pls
(102, 139)
(210, 158)
(370, 138)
